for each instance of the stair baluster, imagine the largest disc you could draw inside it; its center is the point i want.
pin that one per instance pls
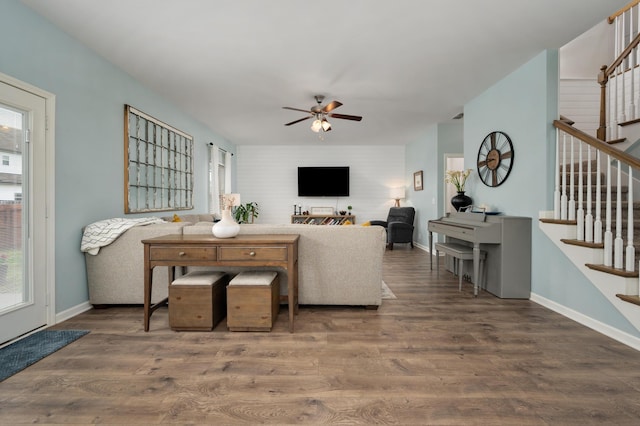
(608, 236)
(597, 226)
(580, 211)
(588, 219)
(563, 198)
(614, 102)
(636, 62)
(572, 200)
(618, 243)
(623, 116)
(630, 263)
(556, 192)
(630, 62)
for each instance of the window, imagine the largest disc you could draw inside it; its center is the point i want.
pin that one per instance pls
(221, 174)
(219, 177)
(158, 165)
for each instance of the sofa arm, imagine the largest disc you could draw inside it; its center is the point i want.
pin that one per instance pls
(382, 223)
(116, 274)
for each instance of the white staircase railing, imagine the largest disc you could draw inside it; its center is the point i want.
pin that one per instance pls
(620, 82)
(595, 244)
(616, 255)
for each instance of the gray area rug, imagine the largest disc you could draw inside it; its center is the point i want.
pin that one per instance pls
(21, 354)
(386, 292)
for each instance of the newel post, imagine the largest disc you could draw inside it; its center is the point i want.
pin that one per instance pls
(603, 78)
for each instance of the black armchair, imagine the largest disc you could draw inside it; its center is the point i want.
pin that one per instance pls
(399, 225)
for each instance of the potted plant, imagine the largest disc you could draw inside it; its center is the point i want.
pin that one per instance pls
(246, 213)
(349, 208)
(458, 178)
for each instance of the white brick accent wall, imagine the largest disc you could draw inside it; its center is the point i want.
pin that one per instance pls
(268, 175)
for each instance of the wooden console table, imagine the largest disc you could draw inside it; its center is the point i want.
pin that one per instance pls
(202, 250)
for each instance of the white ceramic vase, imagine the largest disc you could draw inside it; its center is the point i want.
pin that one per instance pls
(226, 227)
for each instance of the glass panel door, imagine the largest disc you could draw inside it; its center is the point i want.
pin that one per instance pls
(14, 291)
(23, 247)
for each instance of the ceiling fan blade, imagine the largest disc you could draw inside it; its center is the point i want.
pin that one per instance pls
(298, 109)
(346, 117)
(333, 105)
(297, 121)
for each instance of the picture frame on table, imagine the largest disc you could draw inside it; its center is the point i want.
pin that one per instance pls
(417, 181)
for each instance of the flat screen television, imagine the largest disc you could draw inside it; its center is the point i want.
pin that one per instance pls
(323, 181)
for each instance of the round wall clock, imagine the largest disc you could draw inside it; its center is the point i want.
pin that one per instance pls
(495, 159)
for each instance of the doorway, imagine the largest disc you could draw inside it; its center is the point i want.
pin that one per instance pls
(26, 272)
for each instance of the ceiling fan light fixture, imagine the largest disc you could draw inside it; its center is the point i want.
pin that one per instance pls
(316, 126)
(319, 114)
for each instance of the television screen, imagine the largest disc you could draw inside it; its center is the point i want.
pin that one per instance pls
(323, 181)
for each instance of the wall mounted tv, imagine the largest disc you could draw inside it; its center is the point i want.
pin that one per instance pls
(323, 181)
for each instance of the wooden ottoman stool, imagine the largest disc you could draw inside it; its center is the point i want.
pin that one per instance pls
(197, 301)
(253, 301)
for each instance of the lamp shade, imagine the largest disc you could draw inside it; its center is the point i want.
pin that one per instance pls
(397, 193)
(316, 125)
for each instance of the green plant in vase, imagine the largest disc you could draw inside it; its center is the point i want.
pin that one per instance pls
(246, 213)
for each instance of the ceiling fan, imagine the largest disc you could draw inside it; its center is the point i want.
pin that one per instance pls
(320, 113)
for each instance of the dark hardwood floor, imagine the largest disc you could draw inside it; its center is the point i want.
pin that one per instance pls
(433, 356)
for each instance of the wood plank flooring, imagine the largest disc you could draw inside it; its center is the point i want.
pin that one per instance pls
(433, 356)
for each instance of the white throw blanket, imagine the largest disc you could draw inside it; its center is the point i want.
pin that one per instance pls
(104, 232)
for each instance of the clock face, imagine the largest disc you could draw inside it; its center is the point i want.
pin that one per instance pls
(495, 158)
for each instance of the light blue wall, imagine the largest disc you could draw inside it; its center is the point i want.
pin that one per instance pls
(523, 105)
(422, 155)
(90, 98)
(427, 154)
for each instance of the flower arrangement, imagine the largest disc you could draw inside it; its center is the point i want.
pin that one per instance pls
(229, 200)
(458, 178)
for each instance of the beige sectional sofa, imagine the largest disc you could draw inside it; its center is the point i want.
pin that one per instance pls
(337, 265)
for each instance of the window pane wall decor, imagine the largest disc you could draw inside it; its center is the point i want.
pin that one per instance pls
(158, 165)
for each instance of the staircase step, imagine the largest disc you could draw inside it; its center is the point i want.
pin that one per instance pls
(603, 189)
(629, 122)
(614, 271)
(576, 164)
(616, 141)
(582, 243)
(631, 299)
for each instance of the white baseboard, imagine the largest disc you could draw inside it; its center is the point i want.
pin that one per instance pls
(620, 336)
(72, 312)
(421, 246)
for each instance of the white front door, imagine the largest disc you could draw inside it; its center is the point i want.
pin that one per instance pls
(23, 239)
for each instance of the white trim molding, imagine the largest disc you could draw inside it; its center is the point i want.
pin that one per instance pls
(593, 324)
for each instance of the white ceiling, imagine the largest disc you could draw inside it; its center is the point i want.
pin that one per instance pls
(403, 65)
